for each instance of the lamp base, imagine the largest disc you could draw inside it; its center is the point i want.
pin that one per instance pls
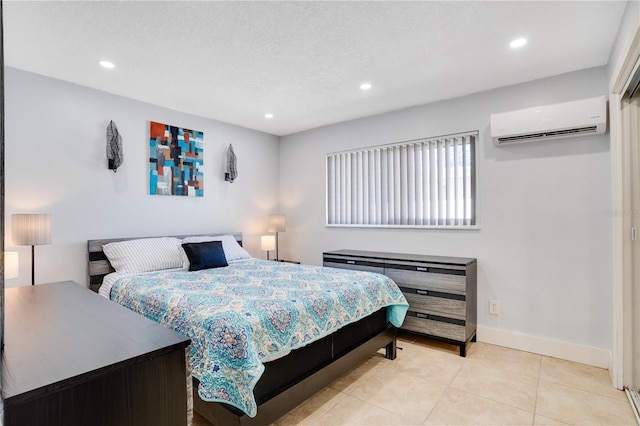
(33, 262)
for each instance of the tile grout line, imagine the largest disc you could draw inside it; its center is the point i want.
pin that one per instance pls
(488, 398)
(590, 392)
(466, 358)
(375, 405)
(535, 403)
(315, 422)
(398, 414)
(347, 395)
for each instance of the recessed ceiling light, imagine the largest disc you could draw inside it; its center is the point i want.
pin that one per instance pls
(519, 42)
(106, 64)
(365, 86)
(268, 115)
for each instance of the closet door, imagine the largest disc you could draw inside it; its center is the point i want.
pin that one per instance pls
(631, 217)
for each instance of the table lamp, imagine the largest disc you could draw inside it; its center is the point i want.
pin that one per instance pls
(268, 242)
(31, 230)
(276, 224)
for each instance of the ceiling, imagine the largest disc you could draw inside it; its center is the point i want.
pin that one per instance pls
(304, 61)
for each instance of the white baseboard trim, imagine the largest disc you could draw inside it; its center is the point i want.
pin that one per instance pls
(543, 346)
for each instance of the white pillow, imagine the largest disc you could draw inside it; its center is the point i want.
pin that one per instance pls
(232, 250)
(145, 254)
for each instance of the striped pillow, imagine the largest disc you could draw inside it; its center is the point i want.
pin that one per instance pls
(144, 255)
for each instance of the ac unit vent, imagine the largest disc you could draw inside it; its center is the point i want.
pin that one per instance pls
(568, 132)
(566, 120)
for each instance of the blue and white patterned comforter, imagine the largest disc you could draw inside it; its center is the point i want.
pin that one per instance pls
(253, 311)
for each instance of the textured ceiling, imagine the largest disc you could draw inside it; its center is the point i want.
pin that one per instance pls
(304, 61)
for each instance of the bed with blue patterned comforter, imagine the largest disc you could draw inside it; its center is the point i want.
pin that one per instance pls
(253, 311)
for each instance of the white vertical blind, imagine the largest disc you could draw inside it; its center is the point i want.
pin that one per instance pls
(427, 182)
(331, 189)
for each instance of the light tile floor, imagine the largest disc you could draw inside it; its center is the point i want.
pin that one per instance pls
(429, 384)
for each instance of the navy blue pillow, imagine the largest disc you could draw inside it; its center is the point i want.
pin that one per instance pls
(205, 255)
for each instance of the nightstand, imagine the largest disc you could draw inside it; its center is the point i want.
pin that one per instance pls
(72, 357)
(286, 261)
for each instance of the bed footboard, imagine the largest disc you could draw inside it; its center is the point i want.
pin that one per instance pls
(274, 408)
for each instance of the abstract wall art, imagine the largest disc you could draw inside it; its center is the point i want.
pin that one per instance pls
(175, 161)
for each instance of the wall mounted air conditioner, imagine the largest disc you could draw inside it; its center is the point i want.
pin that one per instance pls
(569, 119)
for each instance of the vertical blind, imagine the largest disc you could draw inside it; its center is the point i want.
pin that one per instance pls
(427, 182)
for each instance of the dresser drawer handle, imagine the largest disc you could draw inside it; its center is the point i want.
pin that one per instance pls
(422, 292)
(421, 269)
(351, 262)
(421, 315)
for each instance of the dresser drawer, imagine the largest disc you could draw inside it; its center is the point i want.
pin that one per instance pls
(423, 300)
(414, 322)
(354, 263)
(452, 281)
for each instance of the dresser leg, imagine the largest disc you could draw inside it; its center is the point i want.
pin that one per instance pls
(463, 346)
(391, 350)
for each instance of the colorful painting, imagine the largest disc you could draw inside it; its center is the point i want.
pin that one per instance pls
(175, 161)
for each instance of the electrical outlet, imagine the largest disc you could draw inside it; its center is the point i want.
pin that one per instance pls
(494, 307)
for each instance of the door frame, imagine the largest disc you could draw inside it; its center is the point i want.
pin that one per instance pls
(621, 199)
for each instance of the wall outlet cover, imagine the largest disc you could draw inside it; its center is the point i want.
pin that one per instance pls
(494, 307)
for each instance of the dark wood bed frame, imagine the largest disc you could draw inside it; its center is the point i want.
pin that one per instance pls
(290, 380)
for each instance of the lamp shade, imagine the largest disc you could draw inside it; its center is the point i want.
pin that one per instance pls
(268, 242)
(276, 223)
(31, 229)
(11, 265)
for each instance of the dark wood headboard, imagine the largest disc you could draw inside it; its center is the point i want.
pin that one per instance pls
(99, 265)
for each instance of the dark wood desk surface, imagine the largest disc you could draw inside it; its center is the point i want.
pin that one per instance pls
(61, 334)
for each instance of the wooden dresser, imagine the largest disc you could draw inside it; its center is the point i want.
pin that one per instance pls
(441, 291)
(72, 357)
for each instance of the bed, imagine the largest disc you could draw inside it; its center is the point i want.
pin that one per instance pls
(315, 349)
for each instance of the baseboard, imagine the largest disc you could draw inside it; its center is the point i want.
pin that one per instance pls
(543, 346)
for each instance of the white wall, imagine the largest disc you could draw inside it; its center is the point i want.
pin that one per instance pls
(544, 245)
(626, 32)
(55, 163)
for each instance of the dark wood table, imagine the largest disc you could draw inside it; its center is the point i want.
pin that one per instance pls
(72, 357)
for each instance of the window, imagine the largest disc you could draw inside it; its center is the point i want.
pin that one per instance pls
(419, 183)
